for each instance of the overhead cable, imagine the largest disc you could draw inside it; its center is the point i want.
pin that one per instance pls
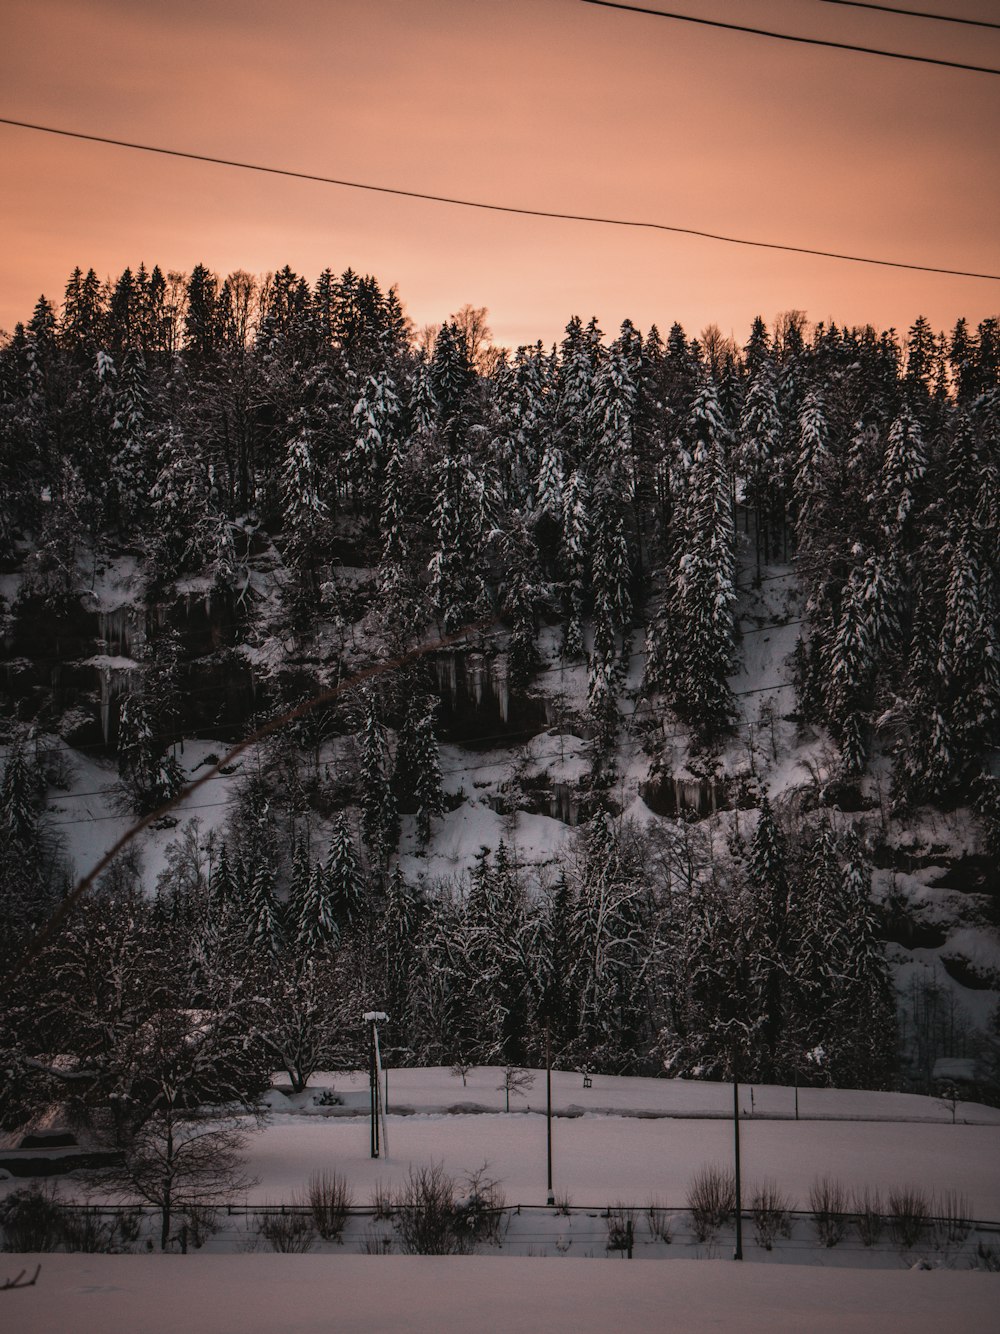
(913, 13)
(499, 208)
(790, 37)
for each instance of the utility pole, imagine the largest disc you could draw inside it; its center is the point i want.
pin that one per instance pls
(738, 1253)
(548, 1106)
(372, 1018)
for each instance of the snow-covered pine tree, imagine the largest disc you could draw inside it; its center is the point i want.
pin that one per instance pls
(758, 454)
(264, 927)
(178, 506)
(343, 887)
(316, 926)
(813, 465)
(378, 804)
(903, 469)
(580, 355)
(130, 440)
(766, 929)
(969, 647)
(149, 772)
(418, 767)
(693, 651)
(456, 587)
(576, 543)
(450, 373)
(375, 422)
(298, 883)
(304, 518)
(28, 866)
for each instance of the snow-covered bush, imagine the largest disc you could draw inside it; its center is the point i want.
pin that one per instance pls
(828, 1202)
(428, 1219)
(31, 1220)
(952, 1218)
(290, 1233)
(329, 1197)
(658, 1221)
(483, 1207)
(711, 1199)
(909, 1216)
(621, 1228)
(93, 1231)
(866, 1206)
(770, 1214)
(382, 1201)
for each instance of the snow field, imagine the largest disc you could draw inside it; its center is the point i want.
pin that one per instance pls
(306, 1294)
(600, 1160)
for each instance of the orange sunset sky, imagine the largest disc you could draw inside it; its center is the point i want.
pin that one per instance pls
(549, 104)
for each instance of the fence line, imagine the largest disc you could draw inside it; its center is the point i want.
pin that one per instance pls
(514, 1210)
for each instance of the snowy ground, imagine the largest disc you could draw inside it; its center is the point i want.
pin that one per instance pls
(307, 1294)
(630, 1142)
(632, 1139)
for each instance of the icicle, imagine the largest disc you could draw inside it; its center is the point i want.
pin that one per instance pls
(474, 676)
(114, 682)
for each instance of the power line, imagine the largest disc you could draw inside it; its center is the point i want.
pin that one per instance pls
(789, 37)
(98, 819)
(509, 208)
(912, 13)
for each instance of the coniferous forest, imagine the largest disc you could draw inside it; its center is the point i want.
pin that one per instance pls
(300, 487)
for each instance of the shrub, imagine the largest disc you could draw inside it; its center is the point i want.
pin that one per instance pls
(32, 1220)
(988, 1258)
(621, 1228)
(953, 1224)
(866, 1205)
(428, 1220)
(909, 1216)
(91, 1231)
(375, 1242)
(770, 1214)
(329, 1198)
(482, 1212)
(563, 1203)
(828, 1202)
(292, 1233)
(201, 1222)
(658, 1221)
(381, 1201)
(712, 1201)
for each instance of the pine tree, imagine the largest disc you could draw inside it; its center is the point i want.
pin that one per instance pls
(374, 420)
(766, 935)
(456, 587)
(151, 774)
(692, 646)
(758, 458)
(178, 509)
(201, 318)
(130, 441)
(450, 373)
(265, 932)
(83, 318)
(342, 883)
(427, 771)
(378, 804)
(576, 538)
(813, 464)
(902, 472)
(315, 926)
